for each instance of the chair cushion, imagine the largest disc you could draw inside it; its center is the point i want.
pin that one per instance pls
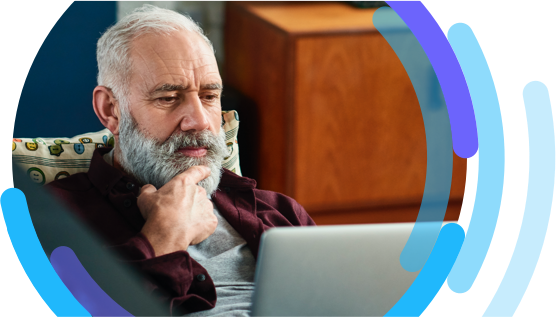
(48, 159)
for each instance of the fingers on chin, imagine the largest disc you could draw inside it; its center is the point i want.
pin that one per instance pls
(147, 188)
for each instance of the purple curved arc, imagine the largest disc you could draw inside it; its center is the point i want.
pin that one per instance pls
(448, 71)
(82, 286)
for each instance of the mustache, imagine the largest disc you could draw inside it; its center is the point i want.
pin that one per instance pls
(183, 139)
(204, 138)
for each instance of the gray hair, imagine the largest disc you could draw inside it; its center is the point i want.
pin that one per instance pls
(113, 47)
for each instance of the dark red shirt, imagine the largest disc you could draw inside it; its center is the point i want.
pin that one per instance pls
(106, 199)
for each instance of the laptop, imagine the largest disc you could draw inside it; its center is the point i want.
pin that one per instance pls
(349, 270)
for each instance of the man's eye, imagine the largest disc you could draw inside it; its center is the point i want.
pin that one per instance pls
(210, 97)
(168, 99)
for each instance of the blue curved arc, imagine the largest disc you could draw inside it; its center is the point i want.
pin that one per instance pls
(539, 198)
(491, 158)
(438, 135)
(433, 275)
(33, 259)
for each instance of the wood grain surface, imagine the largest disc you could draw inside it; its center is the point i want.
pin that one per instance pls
(357, 114)
(341, 129)
(386, 214)
(312, 17)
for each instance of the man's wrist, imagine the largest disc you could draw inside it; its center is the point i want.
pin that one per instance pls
(165, 240)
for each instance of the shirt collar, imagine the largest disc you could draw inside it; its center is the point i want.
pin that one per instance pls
(103, 175)
(109, 157)
(230, 179)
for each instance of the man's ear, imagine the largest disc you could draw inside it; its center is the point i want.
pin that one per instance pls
(106, 108)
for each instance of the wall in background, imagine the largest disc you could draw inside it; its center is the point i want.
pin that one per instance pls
(209, 15)
(56, 98)
(61, 84)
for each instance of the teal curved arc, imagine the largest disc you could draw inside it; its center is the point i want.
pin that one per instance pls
(429, 247)
(438, 135)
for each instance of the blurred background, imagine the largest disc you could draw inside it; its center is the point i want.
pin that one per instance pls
(328, 114)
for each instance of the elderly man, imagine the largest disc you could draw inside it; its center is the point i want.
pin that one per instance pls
(160, 197)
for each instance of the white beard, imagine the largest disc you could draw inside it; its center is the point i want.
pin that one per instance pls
(151, 162)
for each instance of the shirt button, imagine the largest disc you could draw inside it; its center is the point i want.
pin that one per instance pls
(130, 186)
(227, 189)
(127, 203)
(200, 277)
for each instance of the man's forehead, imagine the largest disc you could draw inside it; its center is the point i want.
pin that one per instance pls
(178, 47)
(159, 59)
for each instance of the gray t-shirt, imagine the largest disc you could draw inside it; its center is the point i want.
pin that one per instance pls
(228, 260)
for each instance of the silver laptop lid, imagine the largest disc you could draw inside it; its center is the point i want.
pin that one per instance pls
(331, 270)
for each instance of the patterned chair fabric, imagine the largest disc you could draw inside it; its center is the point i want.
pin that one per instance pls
(48, 159)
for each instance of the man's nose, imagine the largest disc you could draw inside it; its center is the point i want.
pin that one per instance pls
(195, 117)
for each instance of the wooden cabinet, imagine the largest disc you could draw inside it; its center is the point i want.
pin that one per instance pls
(340, 127)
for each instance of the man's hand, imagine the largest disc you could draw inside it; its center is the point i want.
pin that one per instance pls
(179, 213)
